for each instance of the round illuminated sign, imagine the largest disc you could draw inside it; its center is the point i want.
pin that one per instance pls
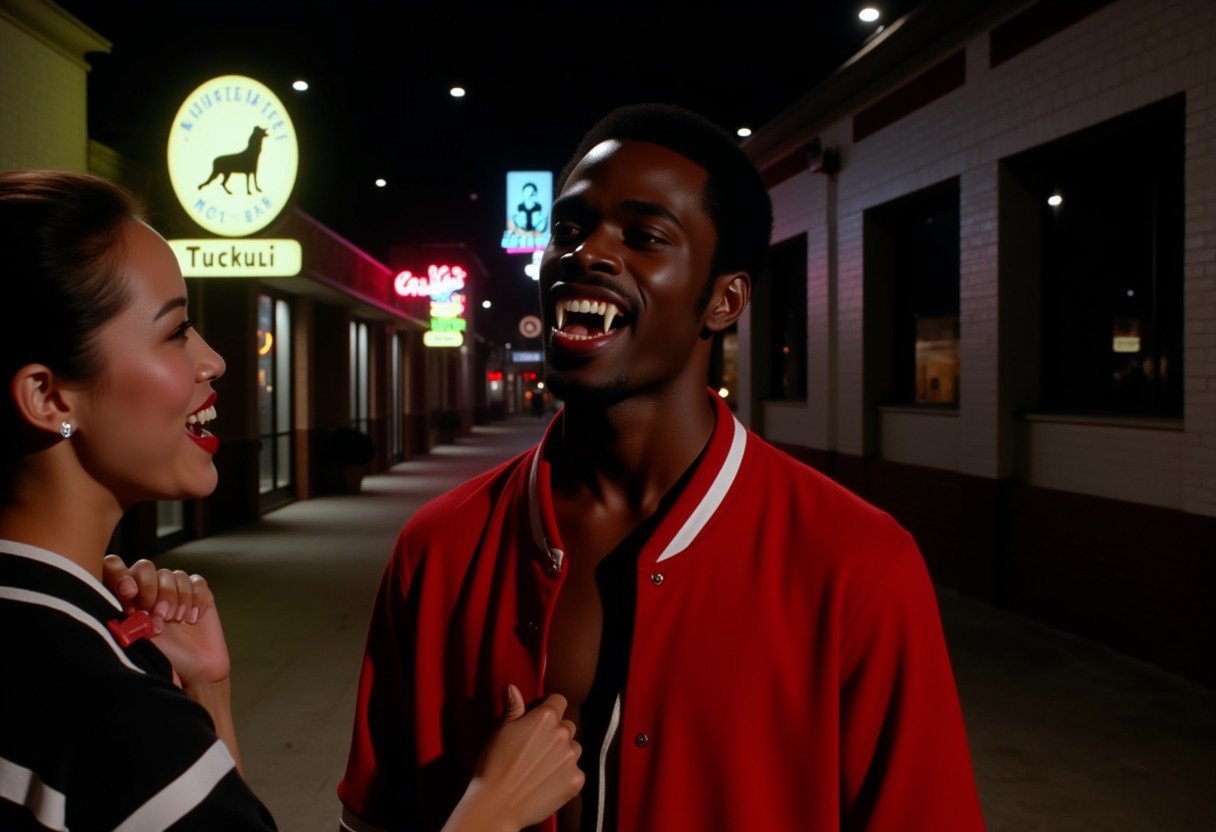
(530, 327)
(233, 156)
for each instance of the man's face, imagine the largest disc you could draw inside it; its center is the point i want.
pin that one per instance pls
(630, 237)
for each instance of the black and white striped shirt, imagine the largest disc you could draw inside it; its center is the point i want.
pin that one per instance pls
(94, 736)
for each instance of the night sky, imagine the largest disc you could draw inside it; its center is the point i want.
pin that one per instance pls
(537, 75)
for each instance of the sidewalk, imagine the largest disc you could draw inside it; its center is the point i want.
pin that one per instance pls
(1066, 735)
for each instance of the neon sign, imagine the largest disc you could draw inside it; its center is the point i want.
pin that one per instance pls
(438, 281)
(444, 286)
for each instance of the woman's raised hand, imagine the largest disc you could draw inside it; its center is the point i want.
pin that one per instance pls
(528, 771)
(185, 624)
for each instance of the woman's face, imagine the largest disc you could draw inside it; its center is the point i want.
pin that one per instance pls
(139, 433)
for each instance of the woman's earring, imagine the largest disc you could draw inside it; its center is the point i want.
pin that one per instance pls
(66, 429)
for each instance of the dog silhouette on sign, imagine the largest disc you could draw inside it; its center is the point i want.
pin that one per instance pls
(245, 162)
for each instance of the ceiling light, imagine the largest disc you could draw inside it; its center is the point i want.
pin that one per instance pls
(1055, 200)
(869, 14)
(743, 132)
(300, 86)
(457, 92)
(485, 304)
(380, 183)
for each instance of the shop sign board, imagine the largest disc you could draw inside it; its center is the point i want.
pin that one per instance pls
(258, 257)
(529, 198)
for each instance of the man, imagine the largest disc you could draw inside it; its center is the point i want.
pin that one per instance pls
(744, 644)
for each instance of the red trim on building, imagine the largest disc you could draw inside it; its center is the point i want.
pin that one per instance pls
(930, 85)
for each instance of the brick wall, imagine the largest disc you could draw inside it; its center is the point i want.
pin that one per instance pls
(1122, 57)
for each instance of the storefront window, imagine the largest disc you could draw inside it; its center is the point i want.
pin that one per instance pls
(170, 517)
(912, 295)
(358, 376)
(787, 321)
(1110, 218)
(396, 427)
(275, 423)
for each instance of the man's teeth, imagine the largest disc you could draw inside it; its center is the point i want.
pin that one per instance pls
(202, 417)
(609, 311)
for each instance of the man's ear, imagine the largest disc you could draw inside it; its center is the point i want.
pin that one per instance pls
(41, 398)
(730, 296)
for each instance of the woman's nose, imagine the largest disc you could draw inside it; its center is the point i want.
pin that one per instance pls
(210, 364)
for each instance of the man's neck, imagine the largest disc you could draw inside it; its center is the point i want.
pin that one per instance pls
(631, 453)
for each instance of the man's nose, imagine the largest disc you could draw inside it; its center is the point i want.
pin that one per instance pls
(594, 254)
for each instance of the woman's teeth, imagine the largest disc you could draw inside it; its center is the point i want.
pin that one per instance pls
(607, 311)
(202, 417)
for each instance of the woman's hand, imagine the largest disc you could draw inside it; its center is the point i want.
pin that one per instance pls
(185, 624)
(528, 771)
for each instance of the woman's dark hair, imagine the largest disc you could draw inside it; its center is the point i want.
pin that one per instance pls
(736, 199)
(61, 234)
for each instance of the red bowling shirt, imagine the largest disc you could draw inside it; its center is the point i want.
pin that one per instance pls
(787, 670)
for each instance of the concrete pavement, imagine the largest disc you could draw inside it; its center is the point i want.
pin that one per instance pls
(1066, 735)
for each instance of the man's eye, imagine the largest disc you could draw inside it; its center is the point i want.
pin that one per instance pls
(565, 230)
(644, 236)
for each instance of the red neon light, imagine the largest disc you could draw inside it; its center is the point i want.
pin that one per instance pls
(439, 280)
(494, 375)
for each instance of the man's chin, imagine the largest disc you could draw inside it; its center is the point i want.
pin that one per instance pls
(572, 388)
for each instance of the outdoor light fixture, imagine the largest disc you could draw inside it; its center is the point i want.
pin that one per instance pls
(868, 15)
(485, 304)
(1055, 200)
(380, 183)
(457, 92)
(723, 392)
(300, 86)
(743, 132)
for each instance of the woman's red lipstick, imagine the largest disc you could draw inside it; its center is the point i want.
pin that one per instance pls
(198, 434)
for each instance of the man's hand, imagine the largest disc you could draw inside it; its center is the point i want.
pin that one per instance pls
(185, 624)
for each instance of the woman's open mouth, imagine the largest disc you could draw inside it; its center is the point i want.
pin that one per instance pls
(198, 434)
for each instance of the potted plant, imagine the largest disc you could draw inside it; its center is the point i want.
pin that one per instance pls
(350, 452)
(447, 423)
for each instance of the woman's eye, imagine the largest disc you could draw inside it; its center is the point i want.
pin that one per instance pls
(183, 331)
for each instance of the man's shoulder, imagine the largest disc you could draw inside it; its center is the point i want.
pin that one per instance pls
(463, 511)
(824, 516)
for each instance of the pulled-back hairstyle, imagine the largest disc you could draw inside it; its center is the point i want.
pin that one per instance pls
(736, 199)
(61, 234)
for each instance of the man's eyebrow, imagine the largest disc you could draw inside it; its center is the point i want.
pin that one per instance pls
(653, 209)
(169, 307)
(570, 202)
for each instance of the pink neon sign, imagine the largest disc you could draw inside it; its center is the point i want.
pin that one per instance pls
(438, 280)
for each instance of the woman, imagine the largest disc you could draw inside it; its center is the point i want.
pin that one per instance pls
(105, 378)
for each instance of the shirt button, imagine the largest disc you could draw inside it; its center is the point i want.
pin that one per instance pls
(641, 740)
(657, 578)
(533, 628)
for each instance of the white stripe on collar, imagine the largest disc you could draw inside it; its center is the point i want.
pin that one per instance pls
(713, 497)
(25, 550)
(696, 521)
(25, 596)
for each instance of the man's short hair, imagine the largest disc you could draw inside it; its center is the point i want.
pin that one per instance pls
(736, 200)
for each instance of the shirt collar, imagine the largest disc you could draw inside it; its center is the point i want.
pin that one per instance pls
(695, 506)
(71, 567)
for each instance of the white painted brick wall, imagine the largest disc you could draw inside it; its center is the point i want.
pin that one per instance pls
(42, 105)
(1122, 57)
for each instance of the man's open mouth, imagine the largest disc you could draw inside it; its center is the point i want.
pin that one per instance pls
(586, 319)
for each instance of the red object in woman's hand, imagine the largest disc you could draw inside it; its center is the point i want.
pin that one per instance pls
(131, 629)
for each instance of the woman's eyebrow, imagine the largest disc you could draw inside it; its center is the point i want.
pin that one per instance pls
(169, 307)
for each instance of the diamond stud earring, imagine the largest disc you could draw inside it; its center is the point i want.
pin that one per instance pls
(66, 429)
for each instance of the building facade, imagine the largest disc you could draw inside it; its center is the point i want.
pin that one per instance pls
(991, 306)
